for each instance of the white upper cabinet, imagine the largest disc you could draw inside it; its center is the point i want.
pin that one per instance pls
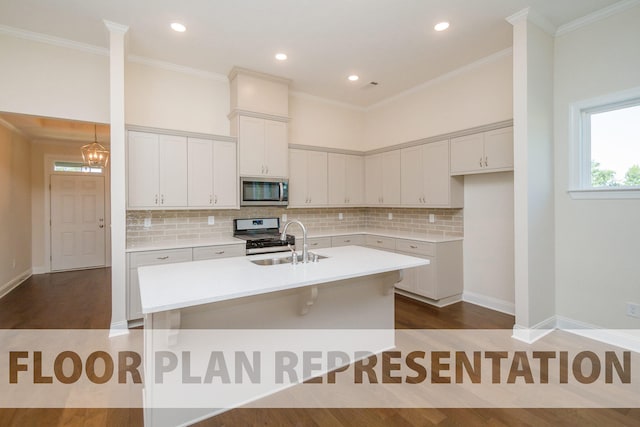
(346, 179)
(382, 179)
(213, 180)
(425, 177)
(263, 147)
(484, 152)
(157, 170)
(308, 178)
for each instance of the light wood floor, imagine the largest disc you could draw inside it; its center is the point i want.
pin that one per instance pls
(82, 300)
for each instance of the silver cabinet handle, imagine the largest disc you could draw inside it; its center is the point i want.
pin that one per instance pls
(210, 199)
(162, 199)
(480, 161)
(314, 244)
(413, 246)
(262, 168)
(348, 241)
(266, 169)
(215, 200)
(101, 226)
(486, 161)
(156, 199)
(219, 253)
(379, 241)
(162, 258)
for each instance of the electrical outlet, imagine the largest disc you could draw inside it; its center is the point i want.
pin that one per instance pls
(432, 218)
(340, 216)
(633, 310)
(147, 223)
(211, 220)
(390, 216)
(284, 217)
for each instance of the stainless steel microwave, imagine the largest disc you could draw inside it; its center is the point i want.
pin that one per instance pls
(264, 191)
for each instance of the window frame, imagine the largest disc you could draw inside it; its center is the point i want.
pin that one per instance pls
(580, 137)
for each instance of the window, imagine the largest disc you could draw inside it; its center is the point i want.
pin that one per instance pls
(75, 167)
(607, 131)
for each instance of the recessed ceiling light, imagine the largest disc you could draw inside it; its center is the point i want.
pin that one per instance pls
(353, 78)
(281, 56)
(176, 26)
(441, 26)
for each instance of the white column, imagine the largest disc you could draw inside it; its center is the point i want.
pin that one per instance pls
(534, 233)
(117, 55)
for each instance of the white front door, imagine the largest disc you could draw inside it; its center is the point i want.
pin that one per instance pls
(77, 222)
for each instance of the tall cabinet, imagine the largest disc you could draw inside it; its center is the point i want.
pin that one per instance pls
(157, 170)
(263, 147)
(212, 173)
(425, 177)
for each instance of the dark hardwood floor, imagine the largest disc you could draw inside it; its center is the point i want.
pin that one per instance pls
(82, 300)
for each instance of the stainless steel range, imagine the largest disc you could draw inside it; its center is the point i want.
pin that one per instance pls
(262, 235)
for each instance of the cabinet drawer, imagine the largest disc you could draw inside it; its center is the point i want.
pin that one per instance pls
(222, 251)
(353, 239)
(315, 243)
(380, 242)
(139, 259)
(415, 247)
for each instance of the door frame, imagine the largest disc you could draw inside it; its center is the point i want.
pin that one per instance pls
(49, 160)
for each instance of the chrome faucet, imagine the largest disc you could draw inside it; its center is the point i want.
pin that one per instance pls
(305, 247)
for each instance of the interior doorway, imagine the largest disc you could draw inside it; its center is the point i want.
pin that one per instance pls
(77, 222)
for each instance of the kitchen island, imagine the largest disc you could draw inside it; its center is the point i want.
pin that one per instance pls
(350, 289)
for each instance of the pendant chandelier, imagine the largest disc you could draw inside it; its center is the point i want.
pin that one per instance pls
(95, 154)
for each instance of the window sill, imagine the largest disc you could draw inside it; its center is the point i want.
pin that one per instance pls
(605, 193)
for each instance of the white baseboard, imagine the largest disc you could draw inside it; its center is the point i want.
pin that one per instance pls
(489, 302)
(41, 270)
(534, 333)
(118, 328)
(624, 338)
(15, 282)
(437, 303)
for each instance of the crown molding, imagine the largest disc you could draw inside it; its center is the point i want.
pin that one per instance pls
(304, 95)
(114, 27)
(239, 70)
(326, 149)
(596, 16)
(177, 68)
(52, 40)
(462, 70)
(530, 15)
(257, 115)
(188, 134)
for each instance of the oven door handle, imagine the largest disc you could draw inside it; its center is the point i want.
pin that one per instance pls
(281, 184)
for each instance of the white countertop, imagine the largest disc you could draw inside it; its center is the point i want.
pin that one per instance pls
(179, 244)
(173, 286)
(422, 237)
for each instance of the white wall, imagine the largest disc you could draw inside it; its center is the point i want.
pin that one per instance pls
(320, 123)
(597, 256)
(15, 209)
(169, 99)
(488, 240)
(51, 81)
(478, 95)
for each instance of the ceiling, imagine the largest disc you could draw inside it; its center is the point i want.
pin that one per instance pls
(46, 129)
(391, 42)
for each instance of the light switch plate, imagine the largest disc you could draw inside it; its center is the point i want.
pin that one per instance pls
(340, 216)
(390, 216)
(284, 217)
(211, 220)
(432, 218)
(147, 223)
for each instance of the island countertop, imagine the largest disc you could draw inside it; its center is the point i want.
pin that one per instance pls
(181, 285)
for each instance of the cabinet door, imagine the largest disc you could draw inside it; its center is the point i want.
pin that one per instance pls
(426, 280)
(225, 178)
(498, 149)
(251, 135)
(391, 178)
(373, 179)
(298, 178)
(173, 171)
(276, 148)
(409, 280)
(142, 170)
(467, 154)
(317, 178)
(354, 179)
(336, 176)
(437, 179)
(200, 172)
(412, 176)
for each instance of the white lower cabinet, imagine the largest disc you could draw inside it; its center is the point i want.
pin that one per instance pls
(351, 239)
(168, 256)
(440, 279)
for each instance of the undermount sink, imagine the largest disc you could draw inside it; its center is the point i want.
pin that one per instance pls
(284, 260)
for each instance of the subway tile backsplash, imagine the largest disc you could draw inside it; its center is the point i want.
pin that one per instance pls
(175, 225)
